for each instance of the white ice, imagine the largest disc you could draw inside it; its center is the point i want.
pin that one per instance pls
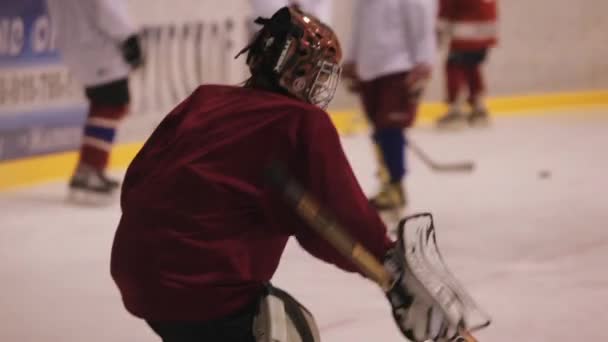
(532, 250)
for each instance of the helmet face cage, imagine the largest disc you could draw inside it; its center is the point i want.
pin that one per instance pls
(313, 73)
(325, 84)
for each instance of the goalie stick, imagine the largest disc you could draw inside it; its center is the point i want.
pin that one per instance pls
(310, 210)
(464, 166)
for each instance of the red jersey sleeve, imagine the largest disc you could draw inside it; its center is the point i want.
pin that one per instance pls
(327, 175)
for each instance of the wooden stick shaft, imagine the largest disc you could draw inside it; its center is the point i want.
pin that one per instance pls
(331, 231)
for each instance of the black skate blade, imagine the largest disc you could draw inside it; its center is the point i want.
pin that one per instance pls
(453, 126)
(480, 123)
(90, 198)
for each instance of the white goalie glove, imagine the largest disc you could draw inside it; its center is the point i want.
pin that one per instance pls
(427, 302)
(414, 311)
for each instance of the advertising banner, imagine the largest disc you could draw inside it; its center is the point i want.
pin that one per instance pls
(42, 108)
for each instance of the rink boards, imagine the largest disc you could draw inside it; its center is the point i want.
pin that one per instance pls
(42, 108)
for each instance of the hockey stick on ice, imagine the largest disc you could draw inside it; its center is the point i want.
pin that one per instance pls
(310, 210)
(464, 166)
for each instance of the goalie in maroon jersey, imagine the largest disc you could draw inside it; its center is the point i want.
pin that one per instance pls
(201, 233)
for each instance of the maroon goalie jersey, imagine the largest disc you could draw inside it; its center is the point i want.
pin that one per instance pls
(201, 232)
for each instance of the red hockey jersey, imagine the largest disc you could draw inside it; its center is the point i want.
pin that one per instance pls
(201, 232)
(471, 23)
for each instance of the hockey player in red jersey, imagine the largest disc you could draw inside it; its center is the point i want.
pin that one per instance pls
(471, 27)
(201, 233)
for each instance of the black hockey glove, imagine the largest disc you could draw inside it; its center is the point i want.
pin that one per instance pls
(131, 51)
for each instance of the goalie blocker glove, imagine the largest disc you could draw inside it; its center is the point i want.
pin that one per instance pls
(414, 311)
(426, 299)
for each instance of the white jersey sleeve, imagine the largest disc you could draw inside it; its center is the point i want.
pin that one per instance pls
(392, 36)
(421, 21)
(88, 34)
(353, 44)
(113, 19)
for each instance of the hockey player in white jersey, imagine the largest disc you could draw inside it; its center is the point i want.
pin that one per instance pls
(393, 47)
(98, 43)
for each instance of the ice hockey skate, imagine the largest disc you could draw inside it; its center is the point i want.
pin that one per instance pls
(90, 186)
(390, 202)
(479, 118)
(452, 120)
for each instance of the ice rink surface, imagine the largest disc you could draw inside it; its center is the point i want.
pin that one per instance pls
(533, 250)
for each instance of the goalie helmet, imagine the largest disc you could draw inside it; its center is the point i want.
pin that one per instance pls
(298, 53)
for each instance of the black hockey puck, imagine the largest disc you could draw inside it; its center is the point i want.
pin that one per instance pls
(544, 174)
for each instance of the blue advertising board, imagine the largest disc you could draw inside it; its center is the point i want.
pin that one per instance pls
(41, 107)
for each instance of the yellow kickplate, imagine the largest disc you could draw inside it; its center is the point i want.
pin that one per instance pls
(57, 166)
